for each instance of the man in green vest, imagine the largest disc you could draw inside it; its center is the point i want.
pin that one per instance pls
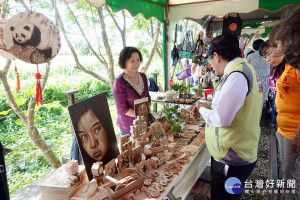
(232, 122)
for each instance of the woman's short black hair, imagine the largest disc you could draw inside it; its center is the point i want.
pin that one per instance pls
(125, 54)
(227, 46)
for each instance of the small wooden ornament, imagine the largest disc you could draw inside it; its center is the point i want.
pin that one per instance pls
(111, 168)
(97, 169)
(123, 160)
(127, 146)
(136, 155)
(124, 139)
(143, 167)
(72, 167)
(154, 162)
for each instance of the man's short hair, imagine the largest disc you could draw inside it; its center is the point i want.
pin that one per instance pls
(227, 46)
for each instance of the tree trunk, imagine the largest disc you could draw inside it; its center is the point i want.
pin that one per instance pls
(111, 75)
(33, 132)
(157, 31)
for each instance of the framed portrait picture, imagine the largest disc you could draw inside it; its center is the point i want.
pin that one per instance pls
(141, 108)
(94, 131)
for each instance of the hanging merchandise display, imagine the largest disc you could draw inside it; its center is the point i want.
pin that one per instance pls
(187, 47)
(232, 25)
(32, 37)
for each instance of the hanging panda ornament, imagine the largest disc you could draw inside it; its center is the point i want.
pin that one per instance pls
(32, 37)
(3, 49)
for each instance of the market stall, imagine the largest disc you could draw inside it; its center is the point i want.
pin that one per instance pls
(157, 160)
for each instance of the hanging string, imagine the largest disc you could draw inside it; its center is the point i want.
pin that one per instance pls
(18, 86)
(39, 95)
(30, 6)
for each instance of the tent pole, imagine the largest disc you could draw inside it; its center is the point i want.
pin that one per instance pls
(165, 56)
(165, 46)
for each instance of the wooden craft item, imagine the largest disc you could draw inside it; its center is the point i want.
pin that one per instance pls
(126, 186)
(172, 147)
(162, 119)
(167, 126)
(139, 127)
(170, 156)
(155, 193)
(154, 162)
(128, 172)
(148, 153)
(97, 169)
(72, 167)
(199, 140)
(102, 194)
(86, 191)
(162, 161)
(123, 160)
(111, 168)
(124, 139)
(143, 167)
(171, 138)
(127, 147)
(141, 143)
(156, 150)
(192, 149)
(136, 155)
(183, 113)
(61, 185)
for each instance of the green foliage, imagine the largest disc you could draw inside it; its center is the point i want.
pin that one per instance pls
(26, 163)
(172, 110)
(175, 128)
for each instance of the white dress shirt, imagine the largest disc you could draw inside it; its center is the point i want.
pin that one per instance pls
(226, 102)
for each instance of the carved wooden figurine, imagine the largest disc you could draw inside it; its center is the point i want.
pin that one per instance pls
(136, 155)
(143, 167)
(111, 168)
(124, 139)
(123, 160)
(127, 146)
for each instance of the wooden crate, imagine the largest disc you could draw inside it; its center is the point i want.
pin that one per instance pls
(61, 185)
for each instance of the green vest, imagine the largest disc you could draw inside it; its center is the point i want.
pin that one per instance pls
(243, 134)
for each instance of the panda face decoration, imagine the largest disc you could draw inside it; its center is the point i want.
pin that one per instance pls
(22, 33)
(32, 37)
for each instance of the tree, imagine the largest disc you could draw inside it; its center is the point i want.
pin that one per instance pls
(28, 120)
(106, 58)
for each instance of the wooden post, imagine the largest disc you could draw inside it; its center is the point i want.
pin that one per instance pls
(155, 74)
(71, 101)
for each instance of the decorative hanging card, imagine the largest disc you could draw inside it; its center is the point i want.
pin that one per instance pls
(3, 49)
(232, 25)
(94, 131)
(141, 108)
(32, 37)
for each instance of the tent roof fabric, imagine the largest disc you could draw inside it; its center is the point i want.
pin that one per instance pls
(194, 9)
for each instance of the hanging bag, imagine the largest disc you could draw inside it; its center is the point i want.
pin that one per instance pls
(174, 52)
(187, 47)
(232, 25)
